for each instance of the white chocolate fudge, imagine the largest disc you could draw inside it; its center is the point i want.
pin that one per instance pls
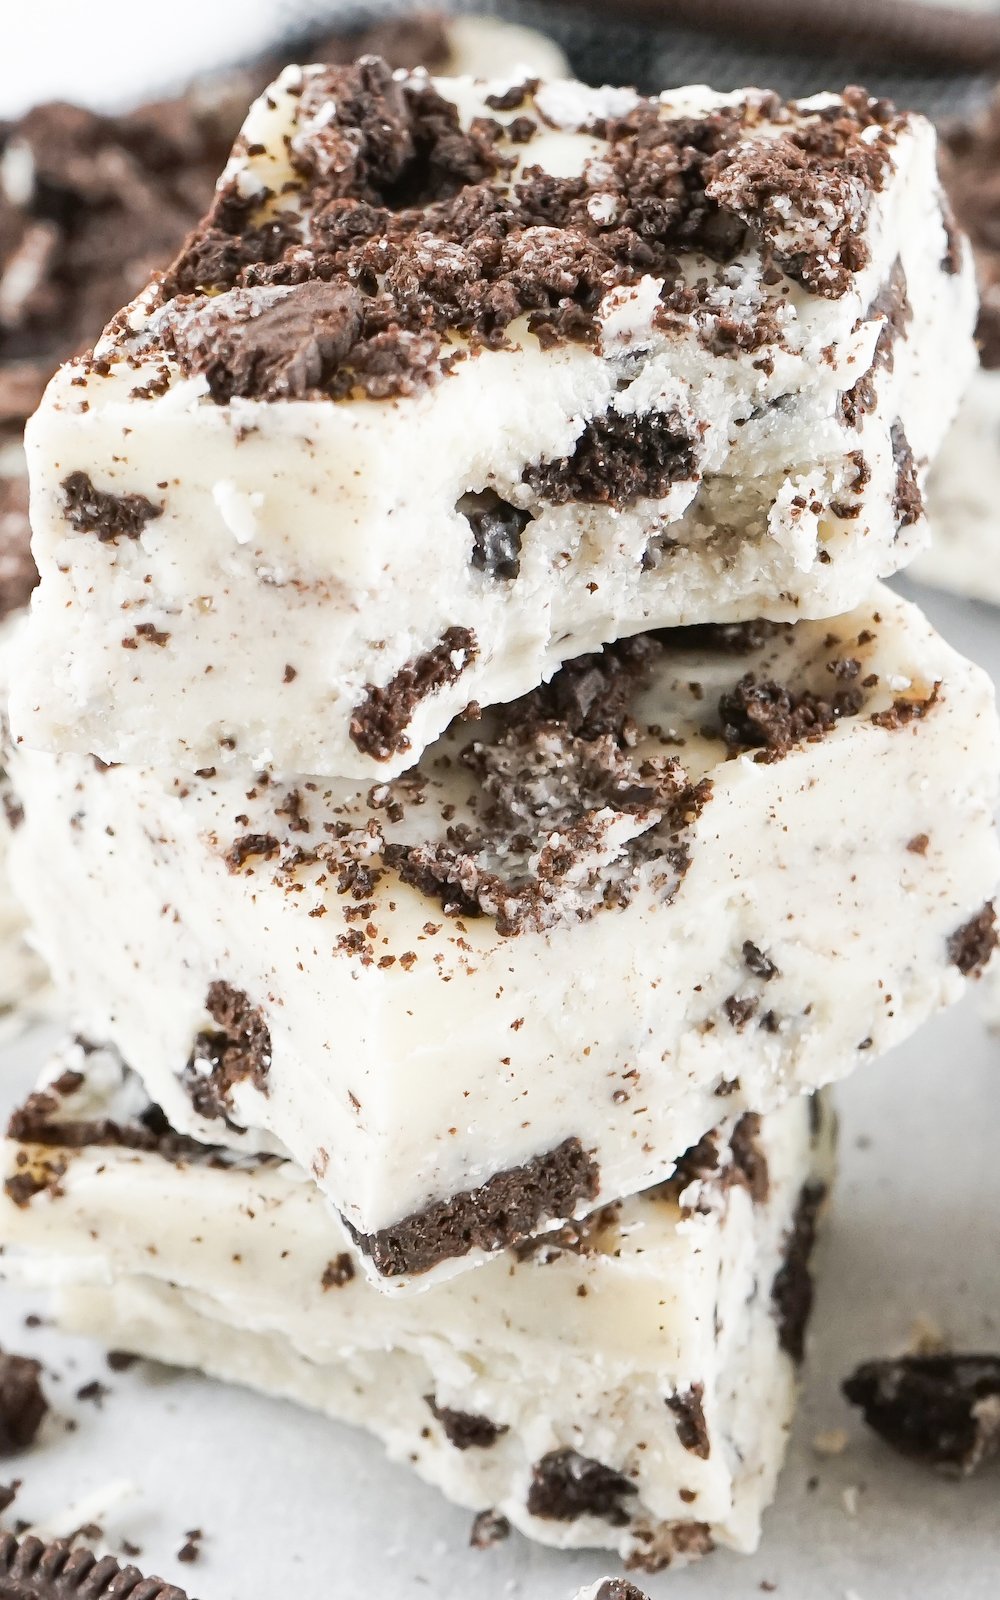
(686, 878)
(964, 485)
(627, 1383)
(458, 381)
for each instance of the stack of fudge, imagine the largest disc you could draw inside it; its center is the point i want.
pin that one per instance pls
(475, 791)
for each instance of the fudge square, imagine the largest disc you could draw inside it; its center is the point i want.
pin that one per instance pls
(626, 1383)
(686, 878)
(459, 381)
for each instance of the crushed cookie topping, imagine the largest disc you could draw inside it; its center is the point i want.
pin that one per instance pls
(403, 228)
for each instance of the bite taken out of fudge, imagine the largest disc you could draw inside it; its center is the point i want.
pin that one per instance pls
(626, 1383)
(459, 380)
(687, 878)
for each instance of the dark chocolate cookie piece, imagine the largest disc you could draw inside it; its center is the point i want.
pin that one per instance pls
(940, 1409)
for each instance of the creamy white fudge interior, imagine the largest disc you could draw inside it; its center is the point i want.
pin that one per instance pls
(627, 1383)
(964, 484)
(688, 877)
(460, 380)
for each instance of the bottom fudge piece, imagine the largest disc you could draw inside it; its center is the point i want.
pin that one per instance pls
(626, 1383)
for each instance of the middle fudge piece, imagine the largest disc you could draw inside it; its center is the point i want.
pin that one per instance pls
(457, 382)
(685, 878)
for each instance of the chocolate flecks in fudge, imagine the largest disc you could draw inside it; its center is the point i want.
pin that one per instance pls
(578, 1238)
(250, 847)
(618, 1589)
(417, 211)
(792, 1289)
(908, 500)
(238, 1050)
(22, 1402)
(749, 1158)
(464, 1429)
(617, 459)
(591, 696)
(893, 303)
(807, 195)
(504, 1210)
(488, 1528)
(904, 711)
(497, 527)
(41, 1120)
(390, 144)
(379, 724)
(970, 168)
(339, 1272)
(685, 1539)
(109, 516)
(190, 1550)
(739, 1009)
(576, 726)
(692, 1430)
(31, 1570)
(565, 1486)
(94, 1392)
(701, 1162)
(727, 638)
(35, 1175)
(768, 717)
(18, 573)
(971, 946)
(758, 963)
(287, 350)
(941, 1409)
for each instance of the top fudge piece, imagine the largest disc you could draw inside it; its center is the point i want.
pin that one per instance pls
(458, 381)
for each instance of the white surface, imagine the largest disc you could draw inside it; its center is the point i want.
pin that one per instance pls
(284, 1496)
